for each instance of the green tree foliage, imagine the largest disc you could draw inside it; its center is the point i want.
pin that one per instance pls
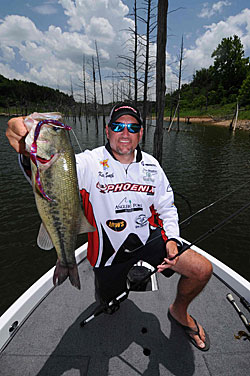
(230, 67)
(222, 82)
(17, 93)
(244, 93)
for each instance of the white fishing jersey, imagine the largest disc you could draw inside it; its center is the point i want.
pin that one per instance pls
(122, 202)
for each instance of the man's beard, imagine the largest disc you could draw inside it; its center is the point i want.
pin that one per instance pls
(120, 152)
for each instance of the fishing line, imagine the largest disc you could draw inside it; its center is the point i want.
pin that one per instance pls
(189, 207)
(213, 203)
(77, 140)
(201, 210)
(113, 305)
(213, 229)
(198, 240)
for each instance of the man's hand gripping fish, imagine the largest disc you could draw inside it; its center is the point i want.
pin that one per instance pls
(55, 187)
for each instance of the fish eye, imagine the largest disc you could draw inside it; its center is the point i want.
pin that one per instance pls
(56, 129)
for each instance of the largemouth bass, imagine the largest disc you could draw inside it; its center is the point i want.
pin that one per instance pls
(55, 187)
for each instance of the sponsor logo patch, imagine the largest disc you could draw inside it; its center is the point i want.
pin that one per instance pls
(148, 164)
(104, 163)
(124, 187)
(127, 206)
(148, 174)
(141, 221)
(116, 224)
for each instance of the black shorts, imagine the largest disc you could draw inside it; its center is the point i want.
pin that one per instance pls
(110, 281)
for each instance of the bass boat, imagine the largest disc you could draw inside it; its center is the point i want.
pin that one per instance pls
(42, 332)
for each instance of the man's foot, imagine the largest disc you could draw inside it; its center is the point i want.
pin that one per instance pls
(195, 333)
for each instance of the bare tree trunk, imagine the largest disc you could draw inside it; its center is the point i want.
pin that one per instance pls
(145, 107)
(85, 93)
(129, 87)
(95, 101)
(135, 54)
(100, 77)
(160, 76)
(113, 89)
(72, 94)
(179, 86)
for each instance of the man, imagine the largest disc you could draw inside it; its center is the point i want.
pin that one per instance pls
(129, 200)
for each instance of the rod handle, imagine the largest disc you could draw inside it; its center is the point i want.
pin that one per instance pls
(241, 314)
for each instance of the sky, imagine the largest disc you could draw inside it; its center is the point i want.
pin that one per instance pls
(44, 41)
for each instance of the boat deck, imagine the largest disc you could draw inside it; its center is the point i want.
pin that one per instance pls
(137, 340)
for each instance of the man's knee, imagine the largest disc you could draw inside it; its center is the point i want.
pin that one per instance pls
(206, 270)
(193, 265)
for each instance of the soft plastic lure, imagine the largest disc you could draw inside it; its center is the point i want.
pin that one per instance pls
(33, 150)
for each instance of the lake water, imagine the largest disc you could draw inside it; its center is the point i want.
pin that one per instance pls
(203, 163)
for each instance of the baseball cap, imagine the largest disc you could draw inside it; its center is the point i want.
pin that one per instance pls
(124, 109)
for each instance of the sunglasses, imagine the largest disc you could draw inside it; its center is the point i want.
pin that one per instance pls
(131, 127)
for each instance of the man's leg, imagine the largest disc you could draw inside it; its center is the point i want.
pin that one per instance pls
(195, 271)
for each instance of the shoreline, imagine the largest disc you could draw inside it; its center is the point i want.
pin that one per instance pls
(241, 124)
(205, 120)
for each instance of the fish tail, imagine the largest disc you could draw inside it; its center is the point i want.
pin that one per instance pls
(74, 277)
(63, 272)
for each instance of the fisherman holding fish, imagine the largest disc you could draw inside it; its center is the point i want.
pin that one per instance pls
(129, 202)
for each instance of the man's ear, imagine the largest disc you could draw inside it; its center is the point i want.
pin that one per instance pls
(141, 133)
(107, 131)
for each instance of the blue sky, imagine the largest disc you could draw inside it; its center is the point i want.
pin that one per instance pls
(44, 40)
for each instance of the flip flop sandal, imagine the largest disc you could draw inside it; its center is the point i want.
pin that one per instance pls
(189, 331)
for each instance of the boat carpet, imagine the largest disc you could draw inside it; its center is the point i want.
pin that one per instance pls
(137, 340)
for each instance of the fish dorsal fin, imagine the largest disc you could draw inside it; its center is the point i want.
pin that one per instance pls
(44, 240)
(84, 225)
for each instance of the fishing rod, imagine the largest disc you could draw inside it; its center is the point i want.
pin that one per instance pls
(212, 230)
(113, 305)
(245, 303)
(213, 203)
(240, 313)
(199, 211)
(189, 207)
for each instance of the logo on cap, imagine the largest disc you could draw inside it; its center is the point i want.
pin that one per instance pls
(130, 108)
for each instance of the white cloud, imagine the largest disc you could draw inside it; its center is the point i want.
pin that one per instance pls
(8, 54)
(200, 55)
(16, 29)
(54, 56)
(10, 73)
(101, 30)
(216, 8)
(81, 11)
